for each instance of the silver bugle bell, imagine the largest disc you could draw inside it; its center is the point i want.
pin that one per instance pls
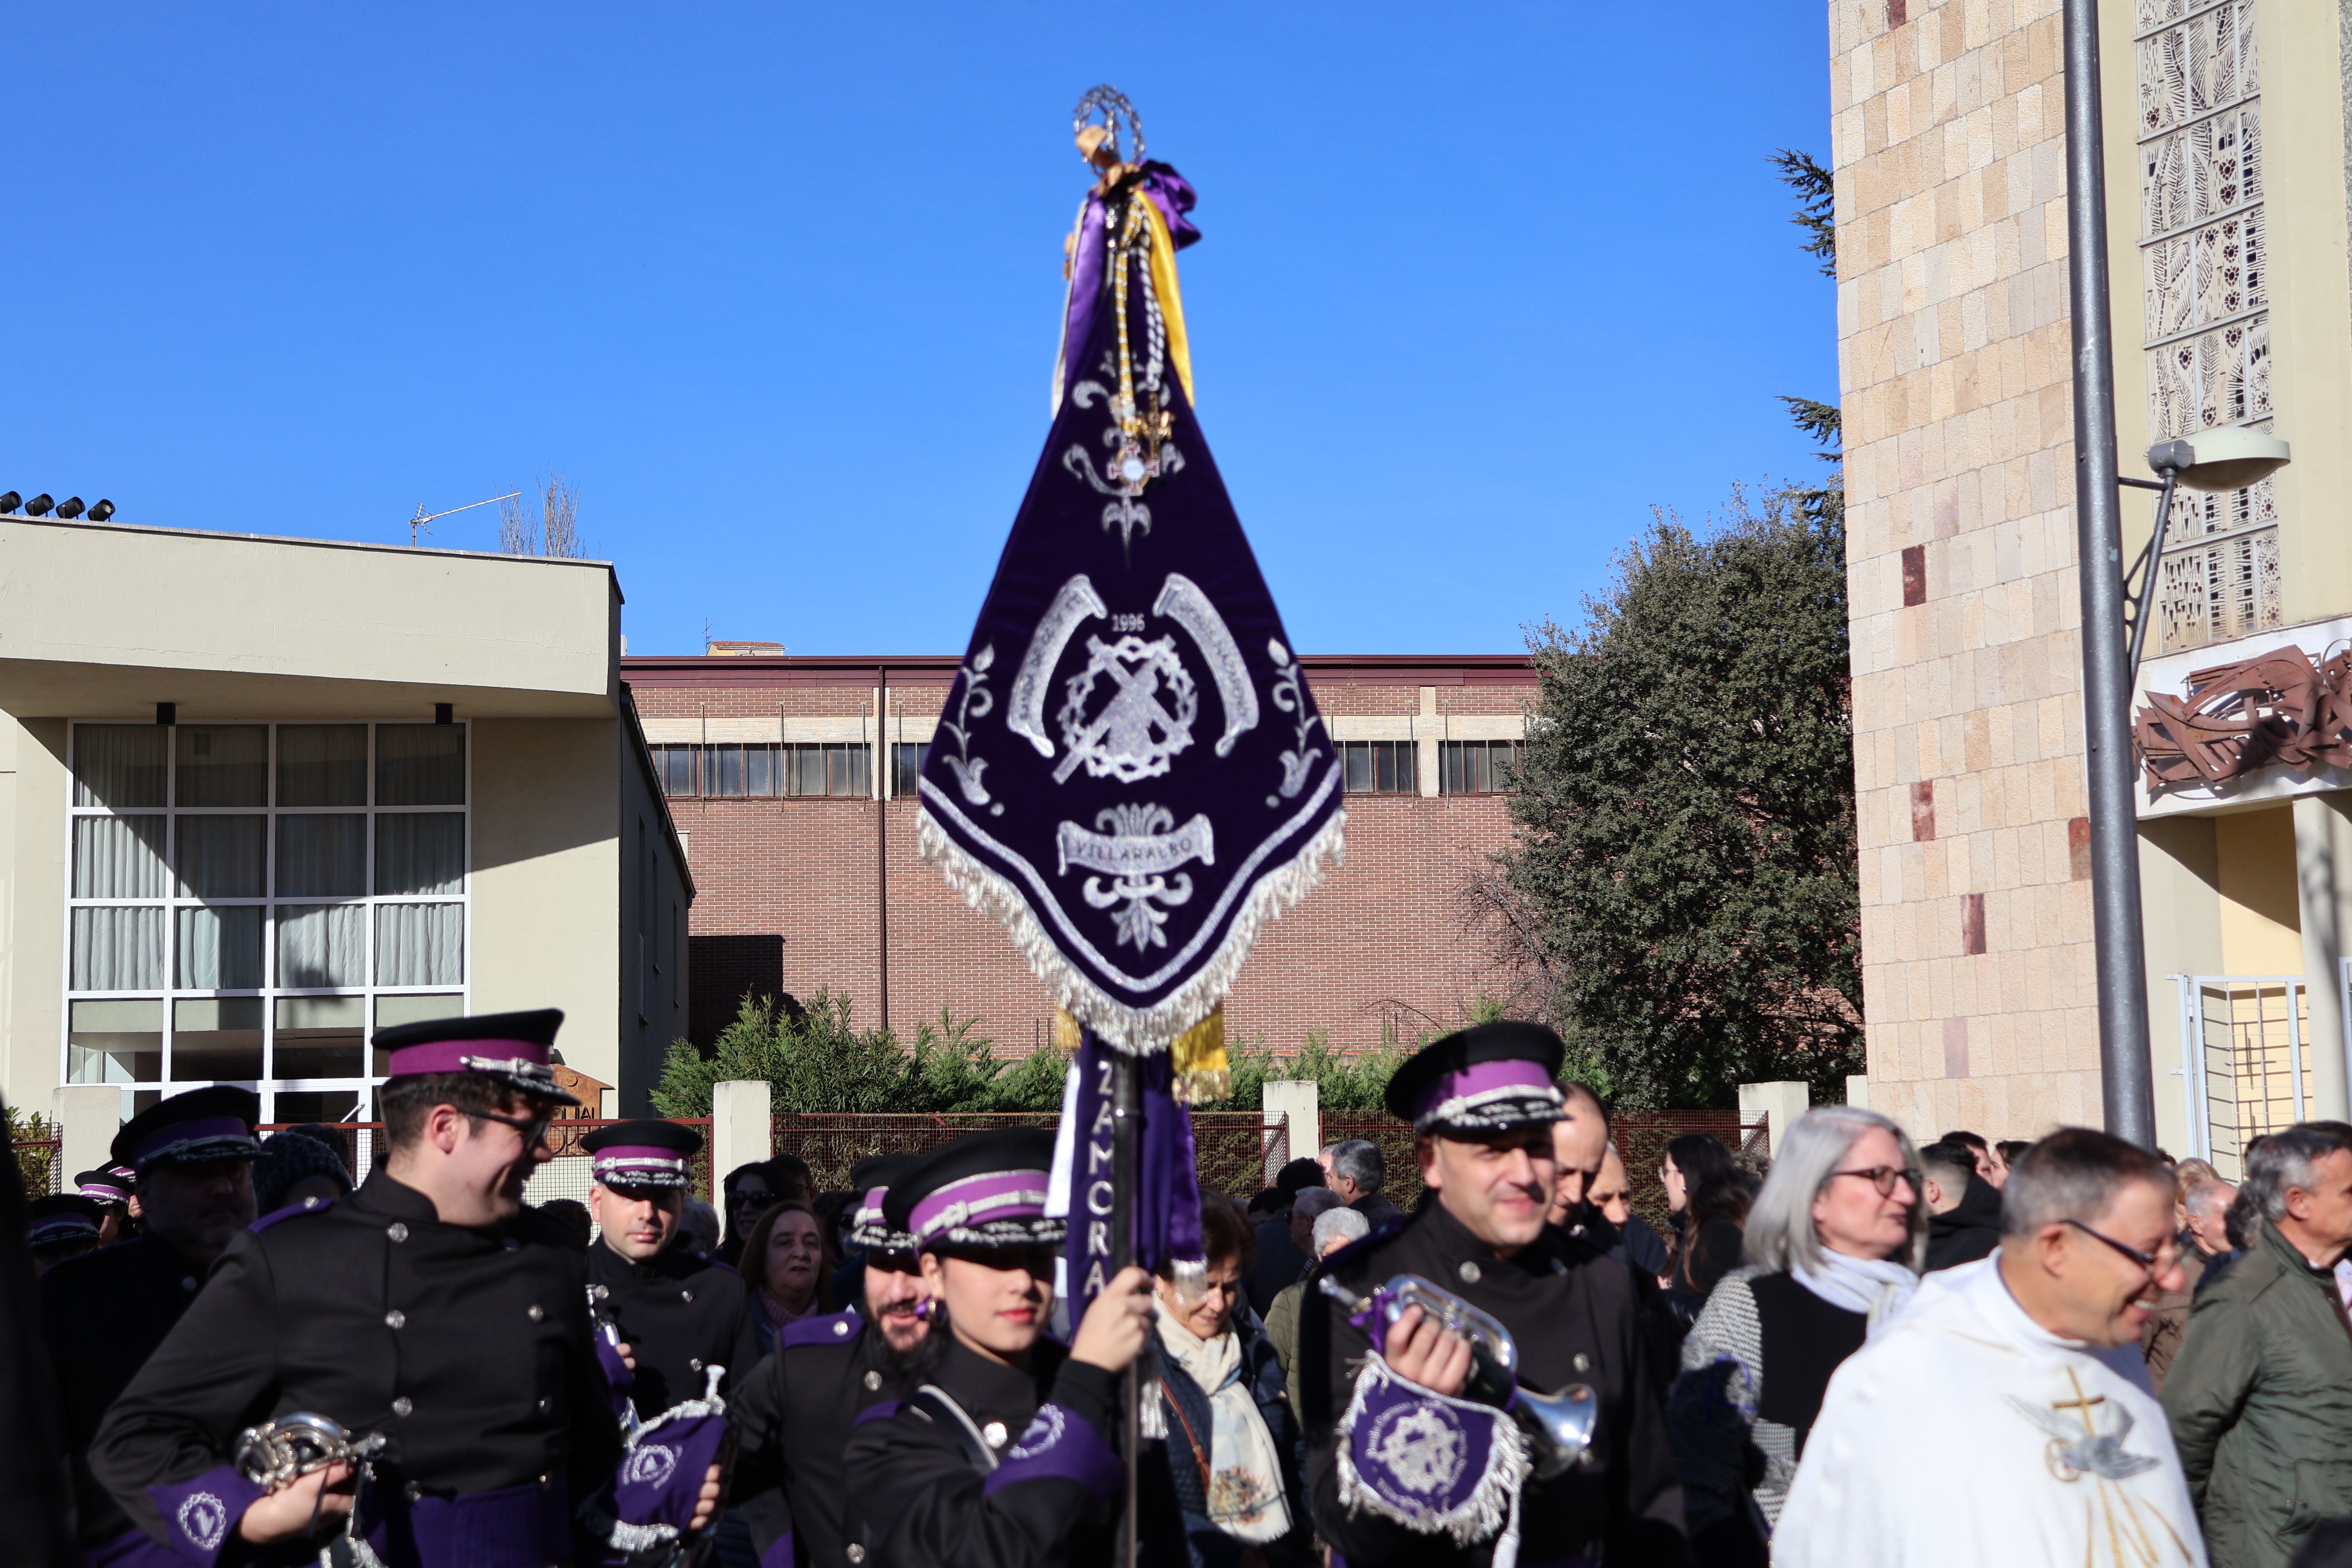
(1558, 1427)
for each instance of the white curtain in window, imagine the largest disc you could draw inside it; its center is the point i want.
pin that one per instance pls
(321, 945)
(118, 950)
(221, 857)
(322, 856)
(120, 765)
(420, 852)
(220, 950)
(322, 765)
(420, 944)
(118, 857)
(420, 764)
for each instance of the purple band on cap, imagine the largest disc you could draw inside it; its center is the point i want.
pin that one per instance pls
(1482, 1081)
(200, 1130)
(104, 1191)
(869, 1208)
(641, 1154)
(449, 1056)
(993, 1195)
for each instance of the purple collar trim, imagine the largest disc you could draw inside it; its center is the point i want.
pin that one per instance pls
(994, 1196)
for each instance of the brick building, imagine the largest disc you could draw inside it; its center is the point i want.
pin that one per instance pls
(2225, 133)
(798, 813)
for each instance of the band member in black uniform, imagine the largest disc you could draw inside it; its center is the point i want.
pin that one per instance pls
(58, 1226)
(1385, 1431)
(430, 1307)
(103, 1314)
(792, 1416)
(677, 1314)
(109, 1187)
(997, 1454)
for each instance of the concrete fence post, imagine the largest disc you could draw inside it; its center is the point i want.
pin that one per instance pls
(1857, 1091)
(741, 1130)
(1298, 1100)
(1776, 1105)
(88, 1116)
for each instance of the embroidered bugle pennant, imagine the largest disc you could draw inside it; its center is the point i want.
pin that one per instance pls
(1130, 770)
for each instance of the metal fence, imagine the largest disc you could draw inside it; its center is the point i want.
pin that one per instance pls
(1641, 1137)
(40, 1159)
(1238, 1152)
(2245, 1059)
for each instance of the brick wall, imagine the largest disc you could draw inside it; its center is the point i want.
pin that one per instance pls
(1953, 338)
(1379, 942)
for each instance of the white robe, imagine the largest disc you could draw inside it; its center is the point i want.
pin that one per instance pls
(1965, 1433)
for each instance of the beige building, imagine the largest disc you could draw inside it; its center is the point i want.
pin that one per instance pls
(261, 796)
(2226, 135)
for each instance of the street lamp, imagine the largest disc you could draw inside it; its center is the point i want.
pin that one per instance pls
(2219, 459)
(2228, 457)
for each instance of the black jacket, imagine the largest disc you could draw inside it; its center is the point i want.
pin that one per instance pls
(103, 1314)
(468, 1349)
(677, 1313)
(1968, 1231)
(1051, 1498)
(1278, 1262)
(1572, 1312)
(792, 1418)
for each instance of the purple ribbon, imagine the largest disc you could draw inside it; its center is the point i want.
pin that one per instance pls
(1167, 1211)
(1173, 195)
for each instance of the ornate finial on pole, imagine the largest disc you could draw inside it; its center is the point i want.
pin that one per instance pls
(1096, 123)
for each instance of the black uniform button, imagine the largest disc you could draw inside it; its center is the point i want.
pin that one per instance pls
(857, 1554)
(840, 1329)
(414, 1491)
(694, 1363)
(396, 1230)
(602, 1291)
(873, 1381)
(1469, 1272)
(537, 1312)
(189, 1283)
(395, 1318)
(1582, 1361)
(994, 1433)
(513, 1246)
(545, 1404)
(403, 1406)
(686, 1295)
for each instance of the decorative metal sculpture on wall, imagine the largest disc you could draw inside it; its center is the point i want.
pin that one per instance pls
(2279, 709)
(1107, 781)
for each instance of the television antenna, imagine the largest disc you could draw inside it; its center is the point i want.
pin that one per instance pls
(424, 520)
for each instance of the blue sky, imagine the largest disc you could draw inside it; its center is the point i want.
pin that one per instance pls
(777, 286)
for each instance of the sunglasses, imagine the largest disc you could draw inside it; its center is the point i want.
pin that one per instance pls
(1883, 1178)
(532, 1128)
(750, 1200)
(2157, 1262)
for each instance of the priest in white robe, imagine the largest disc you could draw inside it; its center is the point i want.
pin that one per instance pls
(2005, 1417)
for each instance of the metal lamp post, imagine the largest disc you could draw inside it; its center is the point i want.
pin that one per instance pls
(2212, 460)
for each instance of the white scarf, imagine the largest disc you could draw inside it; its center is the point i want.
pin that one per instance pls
(1245, 1489)
(1877, 1286)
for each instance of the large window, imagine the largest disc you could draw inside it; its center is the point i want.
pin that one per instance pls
(762, 770)
(1380, 767)
(248, 902)
(1477, 767)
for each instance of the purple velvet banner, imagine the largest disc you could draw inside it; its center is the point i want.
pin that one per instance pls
(1168, 1178)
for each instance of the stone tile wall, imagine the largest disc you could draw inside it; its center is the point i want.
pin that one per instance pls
(1951, 206)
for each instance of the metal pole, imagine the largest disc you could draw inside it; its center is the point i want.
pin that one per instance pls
(2127, 1076)
(1126, 1095)
(885, 757)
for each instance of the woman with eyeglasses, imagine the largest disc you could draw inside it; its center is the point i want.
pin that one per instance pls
(1834, 1244)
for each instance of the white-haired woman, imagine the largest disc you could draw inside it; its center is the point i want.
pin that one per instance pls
(1834, 1245)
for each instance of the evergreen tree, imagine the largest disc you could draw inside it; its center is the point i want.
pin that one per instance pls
(1681, 894)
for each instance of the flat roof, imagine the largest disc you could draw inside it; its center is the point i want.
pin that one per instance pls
(724, 669)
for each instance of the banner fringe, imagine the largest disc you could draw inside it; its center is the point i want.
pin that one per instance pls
(1136, 1031)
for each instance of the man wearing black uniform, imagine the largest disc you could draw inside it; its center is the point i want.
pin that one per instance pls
(1386, 1436)
(677, 1314)
(793, 1415)
(430, 1308)
(103, 1314)
(997, 1454)
(110, 1188)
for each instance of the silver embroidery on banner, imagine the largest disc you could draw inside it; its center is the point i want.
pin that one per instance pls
(1298, 764)
(1075, 602)
(977, 704)
(1182, 601)
(1142, 857)
(1146, 720)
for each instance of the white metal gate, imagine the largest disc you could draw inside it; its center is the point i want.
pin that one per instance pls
(2244, 1045)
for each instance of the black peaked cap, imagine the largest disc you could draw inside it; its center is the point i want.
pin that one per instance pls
(537, 1027)
(647, 1133)
(880, 1171)
(221, 1100)
(1505, 1039)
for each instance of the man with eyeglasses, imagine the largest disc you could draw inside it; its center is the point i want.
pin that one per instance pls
(2028, 1360)
(2261, 1392)
(431, 1309)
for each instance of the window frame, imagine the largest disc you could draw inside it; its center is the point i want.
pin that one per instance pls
(171, 900)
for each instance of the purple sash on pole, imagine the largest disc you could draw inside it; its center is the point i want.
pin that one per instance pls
(1168, 1199)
